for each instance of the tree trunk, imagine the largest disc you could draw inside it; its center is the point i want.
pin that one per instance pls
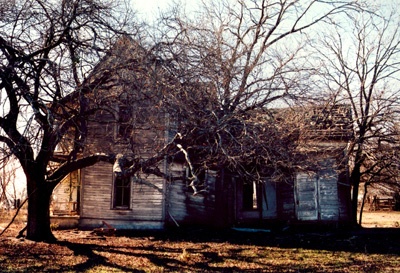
(355, 180)
(363, 203)
(38, 227)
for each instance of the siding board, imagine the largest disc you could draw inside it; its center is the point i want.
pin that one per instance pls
(146, 199)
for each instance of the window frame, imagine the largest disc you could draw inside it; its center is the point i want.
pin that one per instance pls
(124, 124)
(251, 196)
(120, 204)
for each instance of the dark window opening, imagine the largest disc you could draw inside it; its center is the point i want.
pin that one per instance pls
(250, 200)
(125, 127)
(122, 192)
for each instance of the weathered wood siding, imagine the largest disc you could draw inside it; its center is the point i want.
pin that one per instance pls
(328, 196)
(269, 202)
(285, 200)
(185, 208)
(306, 197)
(316, 194)
(344, 197)
(65, 198)
(147, 204)
(148, 198)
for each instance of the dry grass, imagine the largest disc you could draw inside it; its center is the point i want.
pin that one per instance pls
(367, 250)
(378, 219)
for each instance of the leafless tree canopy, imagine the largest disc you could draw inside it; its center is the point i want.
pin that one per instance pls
(47, 49)
(236, 61)
(360, 67)
(220, 78)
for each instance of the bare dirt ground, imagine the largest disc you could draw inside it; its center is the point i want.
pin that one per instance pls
(372, 249)
(377, 219)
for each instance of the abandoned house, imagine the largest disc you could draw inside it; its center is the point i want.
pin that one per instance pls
(319, 192)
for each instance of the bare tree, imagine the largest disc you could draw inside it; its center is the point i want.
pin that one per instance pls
(236, 60)
(47, 48)
(11, 188)
(360, 66)
(225, 66)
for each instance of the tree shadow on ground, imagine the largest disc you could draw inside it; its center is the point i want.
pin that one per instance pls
(359, 240)
(93, 258)
(204, 258)
(205, 250)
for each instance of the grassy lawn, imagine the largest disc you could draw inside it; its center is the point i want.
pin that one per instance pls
(196, 250)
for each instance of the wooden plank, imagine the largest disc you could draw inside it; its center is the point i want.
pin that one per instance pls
(146, 203)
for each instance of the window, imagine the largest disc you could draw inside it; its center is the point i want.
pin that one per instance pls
(250, 196)
(122, 192)
(125, 126)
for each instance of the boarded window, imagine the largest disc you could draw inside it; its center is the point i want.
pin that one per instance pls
(306, 196)
(316, 196)
(122, 192)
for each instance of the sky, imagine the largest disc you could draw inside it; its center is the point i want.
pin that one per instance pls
(147, 9)
(150, 8)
